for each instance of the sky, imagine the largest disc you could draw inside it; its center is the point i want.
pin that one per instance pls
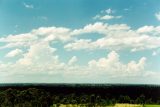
(80, 41)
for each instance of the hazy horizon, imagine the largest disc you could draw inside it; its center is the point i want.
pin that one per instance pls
(80, 41)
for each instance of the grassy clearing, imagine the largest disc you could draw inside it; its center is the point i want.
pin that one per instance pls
(128, 105)
(116, 105)
(152, 105)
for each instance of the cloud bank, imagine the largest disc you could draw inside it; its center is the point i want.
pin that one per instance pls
(38, 57)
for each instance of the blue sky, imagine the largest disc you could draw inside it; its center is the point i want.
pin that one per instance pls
(82, 41)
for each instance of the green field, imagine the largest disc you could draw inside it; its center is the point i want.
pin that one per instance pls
(128, 105)
(116, 105)
(152, 106)
(135, 105)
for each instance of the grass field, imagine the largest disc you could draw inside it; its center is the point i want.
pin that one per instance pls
(128, 105)
(152, 106)
(134, 105)
(116, 105)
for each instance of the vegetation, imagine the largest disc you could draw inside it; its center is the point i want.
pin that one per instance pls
(151, 105)
(90, 96)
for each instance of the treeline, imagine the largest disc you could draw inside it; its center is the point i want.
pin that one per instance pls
(31, 97)
(36, 97)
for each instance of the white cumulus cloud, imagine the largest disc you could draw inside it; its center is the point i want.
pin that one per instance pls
(41, 54)
(14, 53)
(109, 17)
(112, 65)
(117, 37)
(47, 34)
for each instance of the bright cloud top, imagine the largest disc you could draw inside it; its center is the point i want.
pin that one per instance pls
(14, 53)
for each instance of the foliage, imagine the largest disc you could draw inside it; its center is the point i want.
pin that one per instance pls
(77, 96)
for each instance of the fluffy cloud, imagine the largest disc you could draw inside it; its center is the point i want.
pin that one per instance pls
(52, 33)
(47, 63)
(109, 17)
(39, 53)
(114, 37)
(145, 29)
(117, 37)
(91, 28)
(77, 45)
(158, 16)
(101, 28)
(41, 58)
(47, 34)
(14, 53)
(151, 30)
(19, 38)
(106, 17)
(112, 65)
